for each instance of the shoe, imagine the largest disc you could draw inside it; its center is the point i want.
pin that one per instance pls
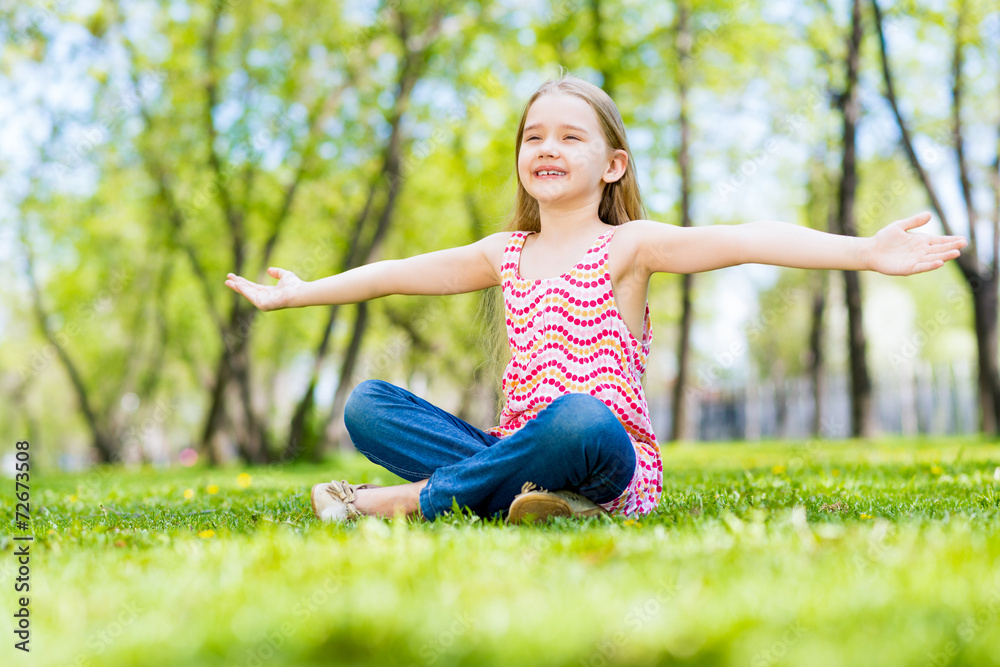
(334, 501)
(535, 503)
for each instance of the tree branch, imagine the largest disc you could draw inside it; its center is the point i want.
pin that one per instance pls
(101, 440)
(233, 217)
(956, 116)
(967, 262)
(320, 111)
(174, 214)
(995, 266)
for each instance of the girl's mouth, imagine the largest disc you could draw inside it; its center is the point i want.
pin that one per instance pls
(549, 173)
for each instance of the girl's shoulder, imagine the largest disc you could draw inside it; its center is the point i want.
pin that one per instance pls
(629, 238)
(636, 229)
(494, 246)
(637, 239)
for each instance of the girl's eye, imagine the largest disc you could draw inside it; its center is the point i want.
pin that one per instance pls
(568, 136)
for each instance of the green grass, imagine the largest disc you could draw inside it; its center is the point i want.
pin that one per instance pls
(836, 554)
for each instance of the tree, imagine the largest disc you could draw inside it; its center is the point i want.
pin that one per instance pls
(684, 41)
(978, 263)
(862, 424)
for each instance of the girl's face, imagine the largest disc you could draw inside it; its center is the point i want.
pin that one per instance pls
(564, 158)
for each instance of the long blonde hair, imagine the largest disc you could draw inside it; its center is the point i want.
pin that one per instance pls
(620, 203)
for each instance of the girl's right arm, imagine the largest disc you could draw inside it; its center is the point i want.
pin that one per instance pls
(458, 270)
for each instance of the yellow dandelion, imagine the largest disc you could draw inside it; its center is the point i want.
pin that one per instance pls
(212, 489)
(206, 533)
(866, 516)
(777, 470)
(188, 494)
(52, 531)
(835, 472)
(631, 522)
(936, 470)
(243, 480)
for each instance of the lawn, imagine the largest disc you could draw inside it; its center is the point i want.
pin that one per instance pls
(853, 553)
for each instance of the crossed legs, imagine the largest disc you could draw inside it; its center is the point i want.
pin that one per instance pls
(575, 443)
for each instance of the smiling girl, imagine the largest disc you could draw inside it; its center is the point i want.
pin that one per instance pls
(574, 272)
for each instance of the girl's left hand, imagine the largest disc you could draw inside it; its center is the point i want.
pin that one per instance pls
(894, 251)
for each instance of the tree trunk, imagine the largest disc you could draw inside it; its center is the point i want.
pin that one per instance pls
(228, 370)
(861, 388)
(214, 417)
(816, 358)
(103, 441)
(678, 425)
(604, 64)
(780, 382)
(332, 428)
(394, 177)
(255, 448)
(411, 68)
(678, 429)
(985, 309)
(824, 218)
(981, 277)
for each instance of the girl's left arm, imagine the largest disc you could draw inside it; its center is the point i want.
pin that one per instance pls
(893, 250)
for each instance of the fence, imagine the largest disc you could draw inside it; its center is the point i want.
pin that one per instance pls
(937, 400)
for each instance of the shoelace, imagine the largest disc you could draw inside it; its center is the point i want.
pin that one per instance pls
(345, 493)
(531, 486)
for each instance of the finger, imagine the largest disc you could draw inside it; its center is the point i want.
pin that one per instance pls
(932, 238)
(275, 272)
(236, 287)
(249, 284)
(950, 241)
(918, 220)
(250, 290)
(943, 256)
(927, 266)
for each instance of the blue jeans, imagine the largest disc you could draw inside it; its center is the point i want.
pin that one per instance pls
(574, 443)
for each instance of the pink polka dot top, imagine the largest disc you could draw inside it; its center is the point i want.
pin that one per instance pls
(567, 335)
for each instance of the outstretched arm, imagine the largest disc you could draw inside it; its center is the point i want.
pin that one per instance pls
(453, 271)
(893, 250)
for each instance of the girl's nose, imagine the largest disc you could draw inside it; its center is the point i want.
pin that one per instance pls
(548, 149)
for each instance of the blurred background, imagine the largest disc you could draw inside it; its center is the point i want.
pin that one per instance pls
(149, 148)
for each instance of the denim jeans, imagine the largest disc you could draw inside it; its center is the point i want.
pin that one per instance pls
(574, 443)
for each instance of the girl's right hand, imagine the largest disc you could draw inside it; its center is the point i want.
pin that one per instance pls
(273, 297)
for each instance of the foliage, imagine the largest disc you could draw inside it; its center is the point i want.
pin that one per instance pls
(135, 292)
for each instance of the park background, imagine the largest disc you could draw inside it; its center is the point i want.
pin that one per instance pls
(149, 148)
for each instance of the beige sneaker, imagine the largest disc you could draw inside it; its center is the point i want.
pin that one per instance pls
(538, 504)
(334, 501)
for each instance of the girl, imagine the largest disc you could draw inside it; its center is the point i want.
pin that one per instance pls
(574, 274)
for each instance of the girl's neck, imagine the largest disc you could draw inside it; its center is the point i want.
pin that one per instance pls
(561, 225)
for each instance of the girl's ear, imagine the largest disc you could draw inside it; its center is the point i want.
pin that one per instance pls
(617, 166)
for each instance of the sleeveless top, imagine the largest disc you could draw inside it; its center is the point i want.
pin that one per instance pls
(567, 335)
